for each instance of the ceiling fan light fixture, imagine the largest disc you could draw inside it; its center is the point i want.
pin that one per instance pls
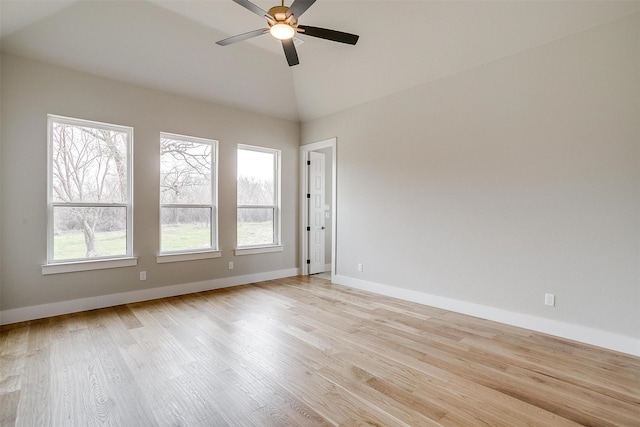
(282, 31)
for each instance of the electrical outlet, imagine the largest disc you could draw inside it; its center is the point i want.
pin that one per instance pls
(230, 265)
(550, 299)
(360, 268)
(143, 275)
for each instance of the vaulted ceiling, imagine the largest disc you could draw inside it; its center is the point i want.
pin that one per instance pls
(170, 45)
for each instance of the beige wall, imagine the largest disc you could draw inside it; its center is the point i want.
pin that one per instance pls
(502, 183)
(31, 90)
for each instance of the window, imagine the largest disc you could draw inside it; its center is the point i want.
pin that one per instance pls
(89, 194)
(258, 182)
(187, 194)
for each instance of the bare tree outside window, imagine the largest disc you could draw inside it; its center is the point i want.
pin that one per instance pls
(89, 189)
(187, 193)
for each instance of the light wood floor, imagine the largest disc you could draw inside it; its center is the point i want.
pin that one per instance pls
(301, 351)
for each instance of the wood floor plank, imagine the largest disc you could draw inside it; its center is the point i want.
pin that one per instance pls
(33, 408)
(12, 358)
(129, 400)
(301, 351)
(9, 407)
(151, 381)
(65, 390)
(127, 317)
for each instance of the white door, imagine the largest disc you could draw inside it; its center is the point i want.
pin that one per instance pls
(315, 224)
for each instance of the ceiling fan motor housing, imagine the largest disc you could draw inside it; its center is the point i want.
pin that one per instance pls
(280, 15)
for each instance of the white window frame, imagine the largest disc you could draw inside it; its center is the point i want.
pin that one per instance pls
(191, 254)
(276, 246)
(96, 263)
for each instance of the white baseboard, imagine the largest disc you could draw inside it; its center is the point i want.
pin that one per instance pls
(65, 307)
(570, 331)
(609, 340)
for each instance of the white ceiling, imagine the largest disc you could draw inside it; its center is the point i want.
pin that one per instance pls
(170, 45)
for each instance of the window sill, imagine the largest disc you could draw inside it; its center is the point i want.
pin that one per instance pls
(71, 267)
(187, 256)
(258, 250)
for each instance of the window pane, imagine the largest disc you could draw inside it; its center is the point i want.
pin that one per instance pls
(185, 229)
(185, 172)
(256, 177)
(255, 226)
(88, 164)
(89, 232)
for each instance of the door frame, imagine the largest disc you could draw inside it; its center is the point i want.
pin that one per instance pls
(304, 207)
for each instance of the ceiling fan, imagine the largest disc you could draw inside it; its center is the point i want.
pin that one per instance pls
(283, 25)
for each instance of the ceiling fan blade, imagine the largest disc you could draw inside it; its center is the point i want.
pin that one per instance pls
(241, 37)
(290, 52)
(333, 35)
(253, 8)
(299, 7)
